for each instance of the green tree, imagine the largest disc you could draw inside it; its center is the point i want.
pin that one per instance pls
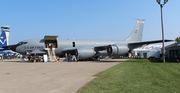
(177, 39)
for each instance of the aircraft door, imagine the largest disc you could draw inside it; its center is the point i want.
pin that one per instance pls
(50, 42)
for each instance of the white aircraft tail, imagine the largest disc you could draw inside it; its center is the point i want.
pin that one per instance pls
(136, 34)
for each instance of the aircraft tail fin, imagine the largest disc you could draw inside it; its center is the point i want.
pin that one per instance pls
(3, 40)
(136, 34)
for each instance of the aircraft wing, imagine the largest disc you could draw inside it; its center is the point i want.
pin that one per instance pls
(2, 49)
(68, 49)
(136, 44)
(100, 48)
(72, 51)
(8, 47)
(5, 48)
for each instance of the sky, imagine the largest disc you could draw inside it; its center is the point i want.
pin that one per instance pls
(88, 19)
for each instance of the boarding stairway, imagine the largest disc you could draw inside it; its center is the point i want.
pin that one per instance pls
(51, 54)
(51, 43)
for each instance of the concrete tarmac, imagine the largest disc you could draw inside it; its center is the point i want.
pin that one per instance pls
(50, 77)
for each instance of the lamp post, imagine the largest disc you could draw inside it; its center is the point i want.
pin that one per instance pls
(161, 6)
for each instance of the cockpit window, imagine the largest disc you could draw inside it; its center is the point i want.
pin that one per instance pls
(20, 43)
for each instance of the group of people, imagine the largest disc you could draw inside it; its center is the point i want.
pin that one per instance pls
(6, 56)
(36, 58)
(30, 58)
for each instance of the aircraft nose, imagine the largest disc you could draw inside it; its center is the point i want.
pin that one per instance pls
(13, 47)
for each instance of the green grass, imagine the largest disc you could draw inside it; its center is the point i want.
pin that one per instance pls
(137, 76)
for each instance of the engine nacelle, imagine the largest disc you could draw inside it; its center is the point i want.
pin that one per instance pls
(85, 53)
(117, 49)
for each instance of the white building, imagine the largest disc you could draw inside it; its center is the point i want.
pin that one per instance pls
(148, 51)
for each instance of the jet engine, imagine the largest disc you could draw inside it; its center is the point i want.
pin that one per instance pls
(85, 53)
(117, 49)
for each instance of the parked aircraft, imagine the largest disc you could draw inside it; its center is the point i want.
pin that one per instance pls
(86, 49)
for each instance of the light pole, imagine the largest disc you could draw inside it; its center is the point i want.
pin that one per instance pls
(161, 6)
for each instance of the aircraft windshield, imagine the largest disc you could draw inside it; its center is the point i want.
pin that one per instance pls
(20, 43)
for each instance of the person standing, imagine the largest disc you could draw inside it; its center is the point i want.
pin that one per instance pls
(74, 58)
(69, 57)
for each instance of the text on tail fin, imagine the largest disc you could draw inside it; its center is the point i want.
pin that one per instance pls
(136, 34)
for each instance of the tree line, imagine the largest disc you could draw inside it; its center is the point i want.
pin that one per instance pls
(177, 39)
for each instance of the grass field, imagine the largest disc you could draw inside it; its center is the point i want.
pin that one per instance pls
(137, 76)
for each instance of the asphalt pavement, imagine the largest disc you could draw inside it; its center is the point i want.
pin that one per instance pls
(49, 77)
